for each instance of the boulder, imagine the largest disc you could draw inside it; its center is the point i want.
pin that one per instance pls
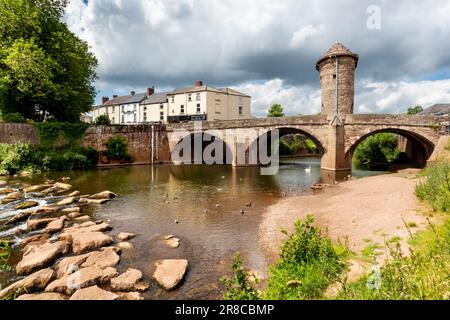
(125, 245)
(36, 188)
(34, 238)
(40, 256)
(124, 236)
(69, 265)
(56, 225)
(104, 195)
(71, 210)
(49, 190)
(62, 186)
(34, 282)
(26, 205)
(84, 241)
(170, 272)
(74, 194)
(74, 215)
(66, 201)
(43, 296)
(45, 210)
(34, 224)
(172, 242)
(94, 293)
(83, 278)
(88, 227)
(82, 219)
(6, 190)
(97, 201)
(131, 280)
(130, 296)
(13, 196)
(106, 257)
(18, 217)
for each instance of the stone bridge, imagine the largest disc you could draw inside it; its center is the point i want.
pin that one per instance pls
(336, 143)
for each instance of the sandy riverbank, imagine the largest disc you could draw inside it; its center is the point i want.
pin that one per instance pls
(372, 208)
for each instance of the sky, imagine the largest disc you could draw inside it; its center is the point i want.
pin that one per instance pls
(268, 49)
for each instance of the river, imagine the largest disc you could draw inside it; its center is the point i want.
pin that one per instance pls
(206, 201)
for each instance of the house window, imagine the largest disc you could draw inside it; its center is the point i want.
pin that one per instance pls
(161, 106)
(198, 108)
(197, 98)
(123, 108)
(161, 115)
(123, 118)
(113, 120)
(241, 105)
(145, 108)
(189, 97)
(182, 108)
(173, 99)
(134, 117)
(240, 110)
(113, 109)
(145, 116)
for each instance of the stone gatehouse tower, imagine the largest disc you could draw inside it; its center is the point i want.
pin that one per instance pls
(337, 79)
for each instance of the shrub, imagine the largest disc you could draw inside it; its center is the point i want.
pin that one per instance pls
(16, 157)
(434, 186)
(49, 132)
(102, 120)
(117, 148)
(309, 259)
(13, 117)
(5, 252)
(239, 287)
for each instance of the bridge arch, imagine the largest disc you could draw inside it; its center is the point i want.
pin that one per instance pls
(420, 147)
(200, 148)
(285, 130)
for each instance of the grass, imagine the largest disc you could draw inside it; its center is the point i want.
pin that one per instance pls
(5, 253)
(434, 186)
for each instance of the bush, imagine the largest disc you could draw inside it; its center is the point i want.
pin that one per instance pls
(102, 120)
(13, 117)
(307, 258)
(117, 148)
(239, 288)
(16, 157)
(49, 132)
(434, 186)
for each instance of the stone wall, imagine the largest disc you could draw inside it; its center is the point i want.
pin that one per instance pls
(18, 132)
(139, 139)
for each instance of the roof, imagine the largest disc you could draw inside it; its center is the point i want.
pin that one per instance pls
(233, 92)
(156, 98)
(136, 98)
(206, 88)
(437, 109)
(337, 49)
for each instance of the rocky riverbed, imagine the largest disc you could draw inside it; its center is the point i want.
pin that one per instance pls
(65, 254)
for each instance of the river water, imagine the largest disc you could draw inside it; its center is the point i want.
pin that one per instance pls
(206, 201)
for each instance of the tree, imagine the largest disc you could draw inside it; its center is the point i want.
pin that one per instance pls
(275, 110)
(414, 110)
(103, 120)
(44, 68)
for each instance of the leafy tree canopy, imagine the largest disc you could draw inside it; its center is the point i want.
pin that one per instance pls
(414, 110)
(44, 68)
(275, 110)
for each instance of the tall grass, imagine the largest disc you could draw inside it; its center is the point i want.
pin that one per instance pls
(434, 186)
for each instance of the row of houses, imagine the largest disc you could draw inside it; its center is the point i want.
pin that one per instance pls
(199, 102)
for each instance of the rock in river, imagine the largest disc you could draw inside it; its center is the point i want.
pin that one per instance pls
(169, 273)
(56, 225)
(18, 217)
(124, 236)
(41, 255)
(84, 241)
(13, 196)
(37, 188)
(62, 186)
(83, 278)
(104, 195)
(46, 296)
(34, 224)
(172, 242)
(106, 257)
(94, 293)
(66, 201)
(131, 280)
(26, 205)
(34, 282)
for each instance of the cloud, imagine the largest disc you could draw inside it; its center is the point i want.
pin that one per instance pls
(251, 44)
(300, 36)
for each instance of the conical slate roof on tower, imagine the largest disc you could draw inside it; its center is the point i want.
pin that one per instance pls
(337, 49)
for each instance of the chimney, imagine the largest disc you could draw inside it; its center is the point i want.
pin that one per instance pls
(132, 93)
(115, 96)
(198, 83)
(150, 91)
(105, 100)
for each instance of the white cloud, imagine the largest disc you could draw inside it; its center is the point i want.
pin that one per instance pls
(300, 36)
